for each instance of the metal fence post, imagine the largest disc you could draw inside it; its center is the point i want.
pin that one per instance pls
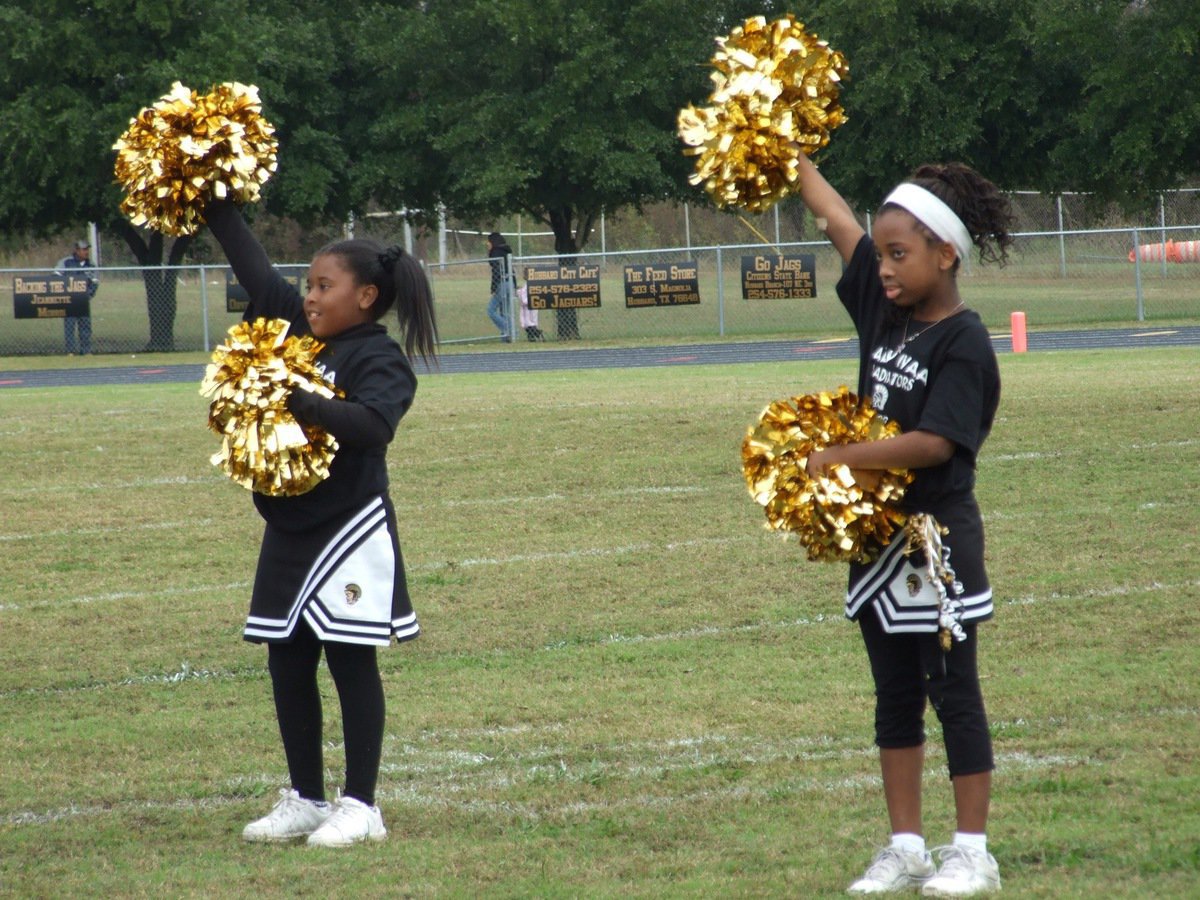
(1062, 242)
(1162, 224)
(204, 307)
(720, 295)
(1137, 278)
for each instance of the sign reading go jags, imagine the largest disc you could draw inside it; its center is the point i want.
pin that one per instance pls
(561, 286)
(783, 277)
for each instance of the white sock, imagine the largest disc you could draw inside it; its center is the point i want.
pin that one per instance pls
(908, 842)
(971, 841)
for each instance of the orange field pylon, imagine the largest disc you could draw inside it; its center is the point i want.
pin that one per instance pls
(1171, 251)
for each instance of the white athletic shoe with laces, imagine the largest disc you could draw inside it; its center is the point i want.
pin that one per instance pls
(292, 817)
(963, 873)
(352, 821)
(894, 869)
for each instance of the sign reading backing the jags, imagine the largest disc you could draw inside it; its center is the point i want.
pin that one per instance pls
(50, 296)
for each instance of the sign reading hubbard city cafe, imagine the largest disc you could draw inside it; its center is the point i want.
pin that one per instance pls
(784, 277)
(676, 284)
(560, 286)
(50, 296)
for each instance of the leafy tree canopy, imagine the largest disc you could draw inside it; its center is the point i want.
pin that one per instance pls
(559, 108)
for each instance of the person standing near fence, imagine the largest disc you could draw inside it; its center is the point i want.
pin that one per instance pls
(77, 330)
(926, 363)
(499, 306)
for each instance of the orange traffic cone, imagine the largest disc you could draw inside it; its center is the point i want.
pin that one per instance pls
(1185, 251)
(1155, 252)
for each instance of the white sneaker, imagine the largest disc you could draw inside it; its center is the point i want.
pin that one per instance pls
(963, 873)
(292, 817)
(894, 869)
(352, 821)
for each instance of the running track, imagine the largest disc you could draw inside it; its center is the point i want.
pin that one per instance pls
(545, 360)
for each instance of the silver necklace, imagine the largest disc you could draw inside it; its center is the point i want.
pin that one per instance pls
(906, 338)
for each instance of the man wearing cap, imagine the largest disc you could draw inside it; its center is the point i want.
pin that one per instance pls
(81, 325)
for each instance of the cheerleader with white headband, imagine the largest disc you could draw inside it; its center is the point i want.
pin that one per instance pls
(926, 362)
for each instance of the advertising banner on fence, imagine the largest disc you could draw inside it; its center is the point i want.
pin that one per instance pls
(773, 277)
(556, 286)
(236, 298)
(674, 284)
(50, 296)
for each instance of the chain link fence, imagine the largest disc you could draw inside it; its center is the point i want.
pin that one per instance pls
(777, 280)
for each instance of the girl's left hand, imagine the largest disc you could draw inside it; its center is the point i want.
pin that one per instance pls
(819, 462)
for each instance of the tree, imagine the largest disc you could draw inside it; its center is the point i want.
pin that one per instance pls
(934, 80)
(1133, 127)
(74, 74)
(552, 107)
(556, 108)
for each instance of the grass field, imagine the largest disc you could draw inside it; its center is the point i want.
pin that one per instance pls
(625, 687)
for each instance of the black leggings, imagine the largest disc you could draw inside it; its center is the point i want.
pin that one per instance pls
(908, 669)
(355, 672)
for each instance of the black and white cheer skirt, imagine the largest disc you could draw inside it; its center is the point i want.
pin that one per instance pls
(898, 588)
(345, 579)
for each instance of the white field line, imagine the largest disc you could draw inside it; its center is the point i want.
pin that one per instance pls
(441, 777)
(559, 555)
(591, 552)
(454, 780)
(1059, 454)
(555, 497)
(575, 498)
(118, 529)
(187, 672)
(126, 595)
(128, 484)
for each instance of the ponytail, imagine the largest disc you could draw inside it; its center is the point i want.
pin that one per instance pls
(414, 306)
(401, 282)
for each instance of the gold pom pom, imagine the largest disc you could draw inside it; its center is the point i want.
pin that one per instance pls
(263, 447)
(840, 518)
(775, 97)
(188, 149)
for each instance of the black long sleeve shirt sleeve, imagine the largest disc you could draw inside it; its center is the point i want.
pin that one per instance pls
(353, 424)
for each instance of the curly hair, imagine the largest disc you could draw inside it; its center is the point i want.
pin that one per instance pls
(983, 209)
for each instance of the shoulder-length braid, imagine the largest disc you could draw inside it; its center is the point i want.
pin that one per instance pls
(401, 282)
(983, 209)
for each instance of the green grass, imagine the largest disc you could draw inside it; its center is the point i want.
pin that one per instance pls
(625, 688)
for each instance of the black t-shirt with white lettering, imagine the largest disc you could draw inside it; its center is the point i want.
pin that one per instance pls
(944, 379)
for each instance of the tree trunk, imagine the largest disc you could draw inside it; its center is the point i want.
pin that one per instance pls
(160, 283)
(567, 243)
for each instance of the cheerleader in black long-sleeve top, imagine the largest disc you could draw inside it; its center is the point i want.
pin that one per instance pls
(330, 574)
(926, 362)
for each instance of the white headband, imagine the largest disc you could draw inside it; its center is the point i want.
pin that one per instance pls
(934, 214)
